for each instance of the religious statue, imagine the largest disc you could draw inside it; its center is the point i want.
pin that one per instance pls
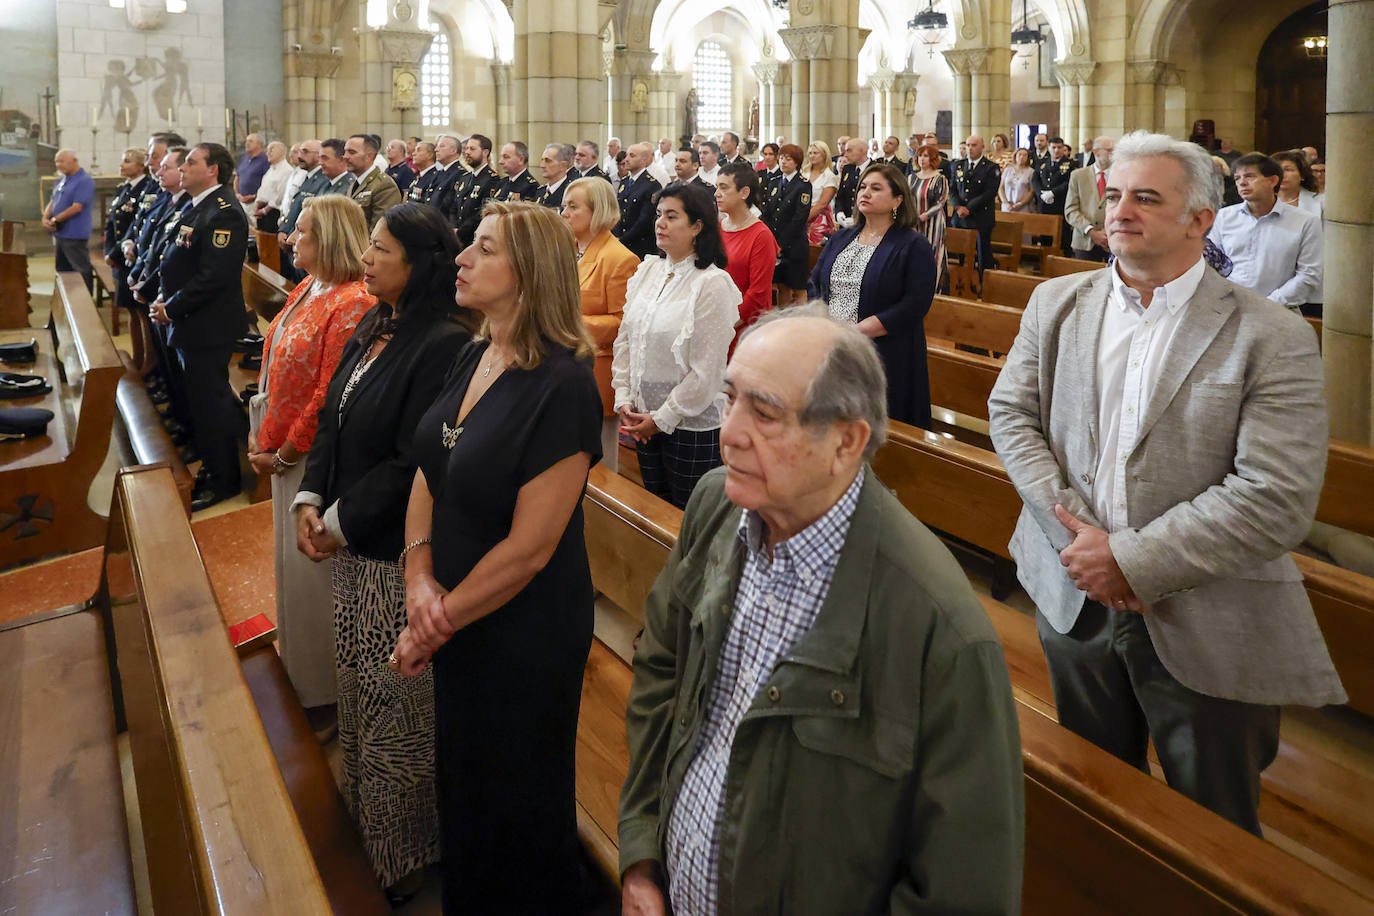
(405, 90)
(909, 102)
(752, 128)
(639, 97)
(689, 123)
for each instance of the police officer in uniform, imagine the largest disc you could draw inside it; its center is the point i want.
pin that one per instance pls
(974, 193)
(519, 183)
(451, 174)
(475, 190)
(786, 208)
(585, 161)
(123, 209)
(1051, 185)
(557, 164)
(636, 198)
(202, 301)
(847, 194)
(426, 172)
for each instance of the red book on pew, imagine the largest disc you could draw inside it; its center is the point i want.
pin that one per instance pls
(256, 631)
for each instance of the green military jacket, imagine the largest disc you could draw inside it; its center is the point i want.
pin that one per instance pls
(878, 769)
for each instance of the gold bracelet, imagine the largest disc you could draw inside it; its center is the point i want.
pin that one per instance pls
(408, 548)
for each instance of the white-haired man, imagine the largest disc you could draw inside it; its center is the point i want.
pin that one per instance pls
(814, 658)
(1166, 430)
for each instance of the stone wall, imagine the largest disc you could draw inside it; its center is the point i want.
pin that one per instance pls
(28, 68)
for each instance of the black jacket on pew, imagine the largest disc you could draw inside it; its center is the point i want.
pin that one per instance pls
(201, 273)
(364, 458)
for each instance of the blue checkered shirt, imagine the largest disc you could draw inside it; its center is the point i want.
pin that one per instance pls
(776, 603)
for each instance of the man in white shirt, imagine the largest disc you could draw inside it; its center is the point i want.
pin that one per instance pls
(1166, 431)
(662, 165)
(1275, 248)
(709, 153)
(608, 165)
(665, 151)
(265, 213)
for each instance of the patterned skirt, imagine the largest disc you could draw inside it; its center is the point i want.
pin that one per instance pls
(386, 721)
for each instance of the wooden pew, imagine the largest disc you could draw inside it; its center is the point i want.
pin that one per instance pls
(14, 276)
(1040, 233)
(105, 290)
(44, 480)
(1059, 266)
(974, 324)
(961, 258)
(961, 381)
(264, 290)
(238, 808)
(1347, 499)
(1006, 245)
(1101, 837)
(140, 434)
(269, 250)
(1002, 287)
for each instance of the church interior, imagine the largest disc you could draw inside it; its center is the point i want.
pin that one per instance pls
(157, 755)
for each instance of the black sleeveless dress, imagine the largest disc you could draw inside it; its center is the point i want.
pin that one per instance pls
(507, 689)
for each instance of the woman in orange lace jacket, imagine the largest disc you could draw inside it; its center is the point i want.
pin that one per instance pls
(604, 267)
(301, 351)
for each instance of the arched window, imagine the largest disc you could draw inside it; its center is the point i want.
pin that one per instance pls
(436, 80)
(713, 80)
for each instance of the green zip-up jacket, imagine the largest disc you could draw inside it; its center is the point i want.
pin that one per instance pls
(878, 769)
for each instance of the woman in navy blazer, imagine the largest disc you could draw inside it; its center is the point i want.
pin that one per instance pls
(880, 274)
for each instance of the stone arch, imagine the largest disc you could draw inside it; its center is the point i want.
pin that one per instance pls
(1067, 18)
(678, 17)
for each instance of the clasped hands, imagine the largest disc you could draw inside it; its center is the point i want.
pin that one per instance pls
(427, 625)
(157, 312)
(638, 426)
(1093, 567)
(312, 537)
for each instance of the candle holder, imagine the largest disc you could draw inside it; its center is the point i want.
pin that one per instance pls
(95, 152)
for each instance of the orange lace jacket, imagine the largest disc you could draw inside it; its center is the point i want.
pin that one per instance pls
(297, 371)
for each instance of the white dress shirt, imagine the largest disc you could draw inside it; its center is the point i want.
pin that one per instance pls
(1130, 353)
(195, 201)
(1278, 255)
(673, 342)
(293, 184)
(662, 174)
(274, 183)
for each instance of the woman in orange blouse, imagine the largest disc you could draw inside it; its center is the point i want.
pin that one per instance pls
(604, 267)
(299, 355)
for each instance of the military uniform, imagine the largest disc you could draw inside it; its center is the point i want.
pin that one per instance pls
(519, 187)
(443, 194)
(1053, 175)
(147, 276)
(204, 300)
(403, 175)
(376, 194)
(975, 187)
(848, 191)
(636, 227)
(472, 194)
(593, 172)
(123, 210)
(552, 196)
(422, 188)
(786, 208)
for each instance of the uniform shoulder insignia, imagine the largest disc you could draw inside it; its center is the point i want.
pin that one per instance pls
(223, 204)
(806, 198)
(220, 239)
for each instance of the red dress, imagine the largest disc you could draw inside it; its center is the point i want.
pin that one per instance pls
(752, 252)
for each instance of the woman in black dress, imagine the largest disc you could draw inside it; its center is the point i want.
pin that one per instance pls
(498, 588)
(351, 505)
(786, 209)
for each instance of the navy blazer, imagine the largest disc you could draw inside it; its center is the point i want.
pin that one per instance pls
(898, 287)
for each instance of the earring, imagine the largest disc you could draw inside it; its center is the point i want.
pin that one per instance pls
(894, 213)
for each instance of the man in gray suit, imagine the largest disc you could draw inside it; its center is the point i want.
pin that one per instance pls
(1166, 430)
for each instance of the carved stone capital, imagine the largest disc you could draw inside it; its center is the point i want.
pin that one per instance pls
(810, 42)
(317, 63)
(1079, 73)
(966, 60)
(880, 80)
(1148, 72)
(634, 62)
(766, 71)
(402, 46)
(666, 79)
(500, 75)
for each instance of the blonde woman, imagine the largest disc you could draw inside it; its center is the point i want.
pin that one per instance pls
(820, 222)
(498, 587)
(299, 355)
(604, 268)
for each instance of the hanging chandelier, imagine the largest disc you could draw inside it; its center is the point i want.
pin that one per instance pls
(1026, 36)
(1315, 46)
(930, 24)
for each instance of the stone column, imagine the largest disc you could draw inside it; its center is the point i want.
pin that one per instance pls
(310, 93)
(960, 62)
(900, 123)
(628, 68)
(881, 84)
(766, 72)
(801, 106)
(990, 91)
(1075, 101)
(557, 75)
(1145, 103)
(391, 83)
(828, 52)
(505, 110)
(1348, 320)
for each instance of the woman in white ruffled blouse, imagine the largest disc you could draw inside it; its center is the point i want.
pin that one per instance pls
(668, 372)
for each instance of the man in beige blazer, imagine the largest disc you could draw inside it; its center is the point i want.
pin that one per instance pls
(1166, 430)
(1085, 208)
(374, 190)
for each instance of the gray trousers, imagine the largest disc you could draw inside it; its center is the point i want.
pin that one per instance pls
(1111, 688)
(75, 255)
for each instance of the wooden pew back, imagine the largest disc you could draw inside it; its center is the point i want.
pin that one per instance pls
(48, 477)
(972, 323)
(961, 256)
(1101, 837)
(961, 381)
(1041, 233)
(1003, 287)
(264, 290)
(217, 822)
(1059, 266)
(1347, 499)
(1006, 244)
(14, 276)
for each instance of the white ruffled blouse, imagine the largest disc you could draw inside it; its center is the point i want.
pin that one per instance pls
(673, 343)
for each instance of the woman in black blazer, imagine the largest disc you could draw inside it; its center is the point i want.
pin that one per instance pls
(880, 274)
(352, 506)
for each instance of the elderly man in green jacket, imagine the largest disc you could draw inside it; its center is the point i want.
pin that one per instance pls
(821, 720)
